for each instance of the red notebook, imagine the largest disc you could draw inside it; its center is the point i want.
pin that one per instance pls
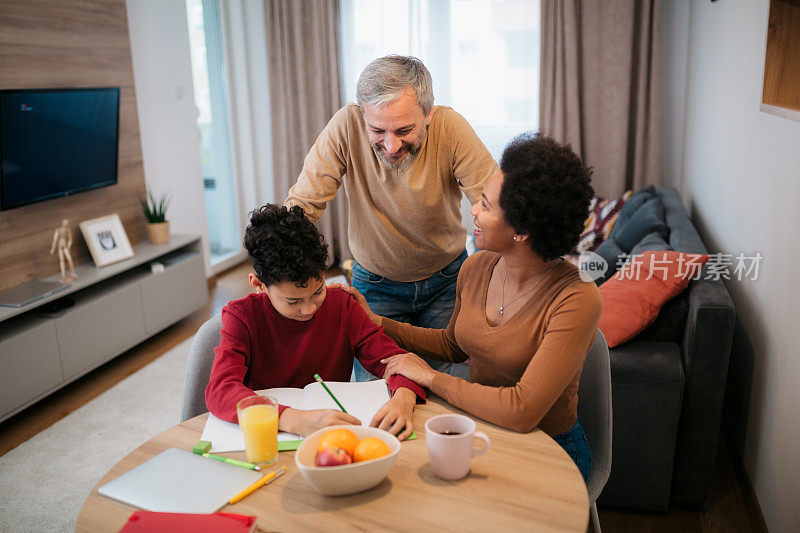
(148, 521)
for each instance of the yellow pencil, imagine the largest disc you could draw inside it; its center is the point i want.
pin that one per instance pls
(252, 488)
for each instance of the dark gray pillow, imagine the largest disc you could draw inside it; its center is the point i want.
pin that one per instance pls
(648, 219)
(609, 251)
(637, 200)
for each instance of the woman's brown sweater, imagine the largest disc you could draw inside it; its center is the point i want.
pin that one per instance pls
(524, 372)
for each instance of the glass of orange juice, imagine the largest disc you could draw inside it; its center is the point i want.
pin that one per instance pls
(258, 419)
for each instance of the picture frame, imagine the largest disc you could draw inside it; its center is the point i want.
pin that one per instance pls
(106, 238)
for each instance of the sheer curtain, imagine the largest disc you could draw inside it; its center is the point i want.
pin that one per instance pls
(483, 56)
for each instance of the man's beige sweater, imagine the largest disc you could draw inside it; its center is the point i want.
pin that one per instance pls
(403, 225)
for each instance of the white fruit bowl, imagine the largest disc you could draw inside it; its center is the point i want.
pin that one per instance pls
(345, 479)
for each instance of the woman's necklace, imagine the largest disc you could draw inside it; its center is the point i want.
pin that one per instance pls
(503, 288)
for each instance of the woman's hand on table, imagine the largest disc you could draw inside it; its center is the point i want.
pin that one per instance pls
(396, 415)
(352, 291)
(305, 423)
(411, 366)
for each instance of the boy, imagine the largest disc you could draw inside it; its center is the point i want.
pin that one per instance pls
(293, 327)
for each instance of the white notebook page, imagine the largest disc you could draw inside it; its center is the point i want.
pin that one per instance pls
(362, 400)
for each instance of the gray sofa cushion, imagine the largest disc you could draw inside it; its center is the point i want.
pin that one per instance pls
(652, 242)
(637, 200)
(644, 216)
(647, 219)
(610, 252)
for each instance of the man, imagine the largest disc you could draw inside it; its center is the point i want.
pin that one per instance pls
(403, 163)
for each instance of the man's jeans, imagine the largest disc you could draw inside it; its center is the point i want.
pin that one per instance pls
(427, 303)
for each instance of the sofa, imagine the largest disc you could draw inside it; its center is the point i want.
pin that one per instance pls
(668, 383)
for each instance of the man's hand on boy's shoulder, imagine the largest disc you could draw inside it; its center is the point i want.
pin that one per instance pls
(307, 422)
(396, 415)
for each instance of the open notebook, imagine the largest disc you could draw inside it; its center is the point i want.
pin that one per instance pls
(360, 399)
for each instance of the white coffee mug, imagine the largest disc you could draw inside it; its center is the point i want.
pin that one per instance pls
(451, 445)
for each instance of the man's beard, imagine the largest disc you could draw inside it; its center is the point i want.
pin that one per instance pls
(411, 153)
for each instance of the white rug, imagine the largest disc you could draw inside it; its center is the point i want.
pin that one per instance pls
(45, 480)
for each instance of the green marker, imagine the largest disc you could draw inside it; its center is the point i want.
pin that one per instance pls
(319, 380)
(235, 462)
(202, 447)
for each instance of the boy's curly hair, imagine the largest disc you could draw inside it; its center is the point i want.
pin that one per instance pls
(545, 194)
(284, 245)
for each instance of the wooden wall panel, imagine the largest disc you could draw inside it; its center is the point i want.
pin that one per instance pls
(781, 94)
(69, 43)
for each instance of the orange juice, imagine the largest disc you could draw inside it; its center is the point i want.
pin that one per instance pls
(259, 424)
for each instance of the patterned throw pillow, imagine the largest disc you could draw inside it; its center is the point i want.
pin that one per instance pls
(602, 216)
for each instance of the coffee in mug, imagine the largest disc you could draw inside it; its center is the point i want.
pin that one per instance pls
(451, 445)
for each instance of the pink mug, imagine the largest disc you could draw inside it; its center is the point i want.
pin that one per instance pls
(451, 445)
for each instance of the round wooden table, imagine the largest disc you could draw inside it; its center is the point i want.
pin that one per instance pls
(524, 482)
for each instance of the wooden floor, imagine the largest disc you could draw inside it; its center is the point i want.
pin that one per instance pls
(725, 510)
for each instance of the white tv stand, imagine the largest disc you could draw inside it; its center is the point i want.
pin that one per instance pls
(111, 309)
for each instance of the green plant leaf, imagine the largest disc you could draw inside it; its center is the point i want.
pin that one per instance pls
(155, 210)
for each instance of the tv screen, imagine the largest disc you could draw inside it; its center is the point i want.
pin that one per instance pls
(56, 142)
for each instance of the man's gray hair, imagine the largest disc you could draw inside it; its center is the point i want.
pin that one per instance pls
(384, 80)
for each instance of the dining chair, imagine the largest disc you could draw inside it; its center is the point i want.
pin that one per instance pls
(594, 412)
(198, 368)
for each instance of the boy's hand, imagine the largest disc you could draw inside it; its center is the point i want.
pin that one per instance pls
(396, 414)
(352, 291)
(307, 422)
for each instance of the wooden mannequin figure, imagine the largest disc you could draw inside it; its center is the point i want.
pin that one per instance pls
(63, 239)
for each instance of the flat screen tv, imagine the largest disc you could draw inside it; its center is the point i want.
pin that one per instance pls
(56, 142)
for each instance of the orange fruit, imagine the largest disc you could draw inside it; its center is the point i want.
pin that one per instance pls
(370, 448)
(339, 438)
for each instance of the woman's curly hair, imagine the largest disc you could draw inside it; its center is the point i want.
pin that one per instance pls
(545, 194)
(284, 245)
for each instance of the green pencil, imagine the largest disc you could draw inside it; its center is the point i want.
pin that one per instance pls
(319, 380)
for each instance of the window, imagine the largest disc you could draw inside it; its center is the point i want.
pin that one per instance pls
(208, 72)
(483, 56)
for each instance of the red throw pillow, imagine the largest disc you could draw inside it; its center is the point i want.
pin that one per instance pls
(634, 295)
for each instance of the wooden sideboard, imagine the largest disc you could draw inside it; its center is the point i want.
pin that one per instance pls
(105, 312)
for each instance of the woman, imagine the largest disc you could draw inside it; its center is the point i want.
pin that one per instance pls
(523, 318)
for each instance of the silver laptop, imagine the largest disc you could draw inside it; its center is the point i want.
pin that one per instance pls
(22, 295)
(178, 481)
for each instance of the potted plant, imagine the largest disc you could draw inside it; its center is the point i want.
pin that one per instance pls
(155, 211)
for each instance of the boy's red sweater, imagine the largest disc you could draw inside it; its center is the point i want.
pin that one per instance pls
(262, 349)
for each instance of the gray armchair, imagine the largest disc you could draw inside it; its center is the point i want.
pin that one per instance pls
(198, 368)
(594, 412)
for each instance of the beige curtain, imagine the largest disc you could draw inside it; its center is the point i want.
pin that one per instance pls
(599, 87)
(303, 62)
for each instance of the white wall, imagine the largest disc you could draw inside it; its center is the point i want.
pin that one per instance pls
(741, 172)
(674, 18)
(162, 74)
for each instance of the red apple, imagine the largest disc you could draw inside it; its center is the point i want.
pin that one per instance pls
(333, 457)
